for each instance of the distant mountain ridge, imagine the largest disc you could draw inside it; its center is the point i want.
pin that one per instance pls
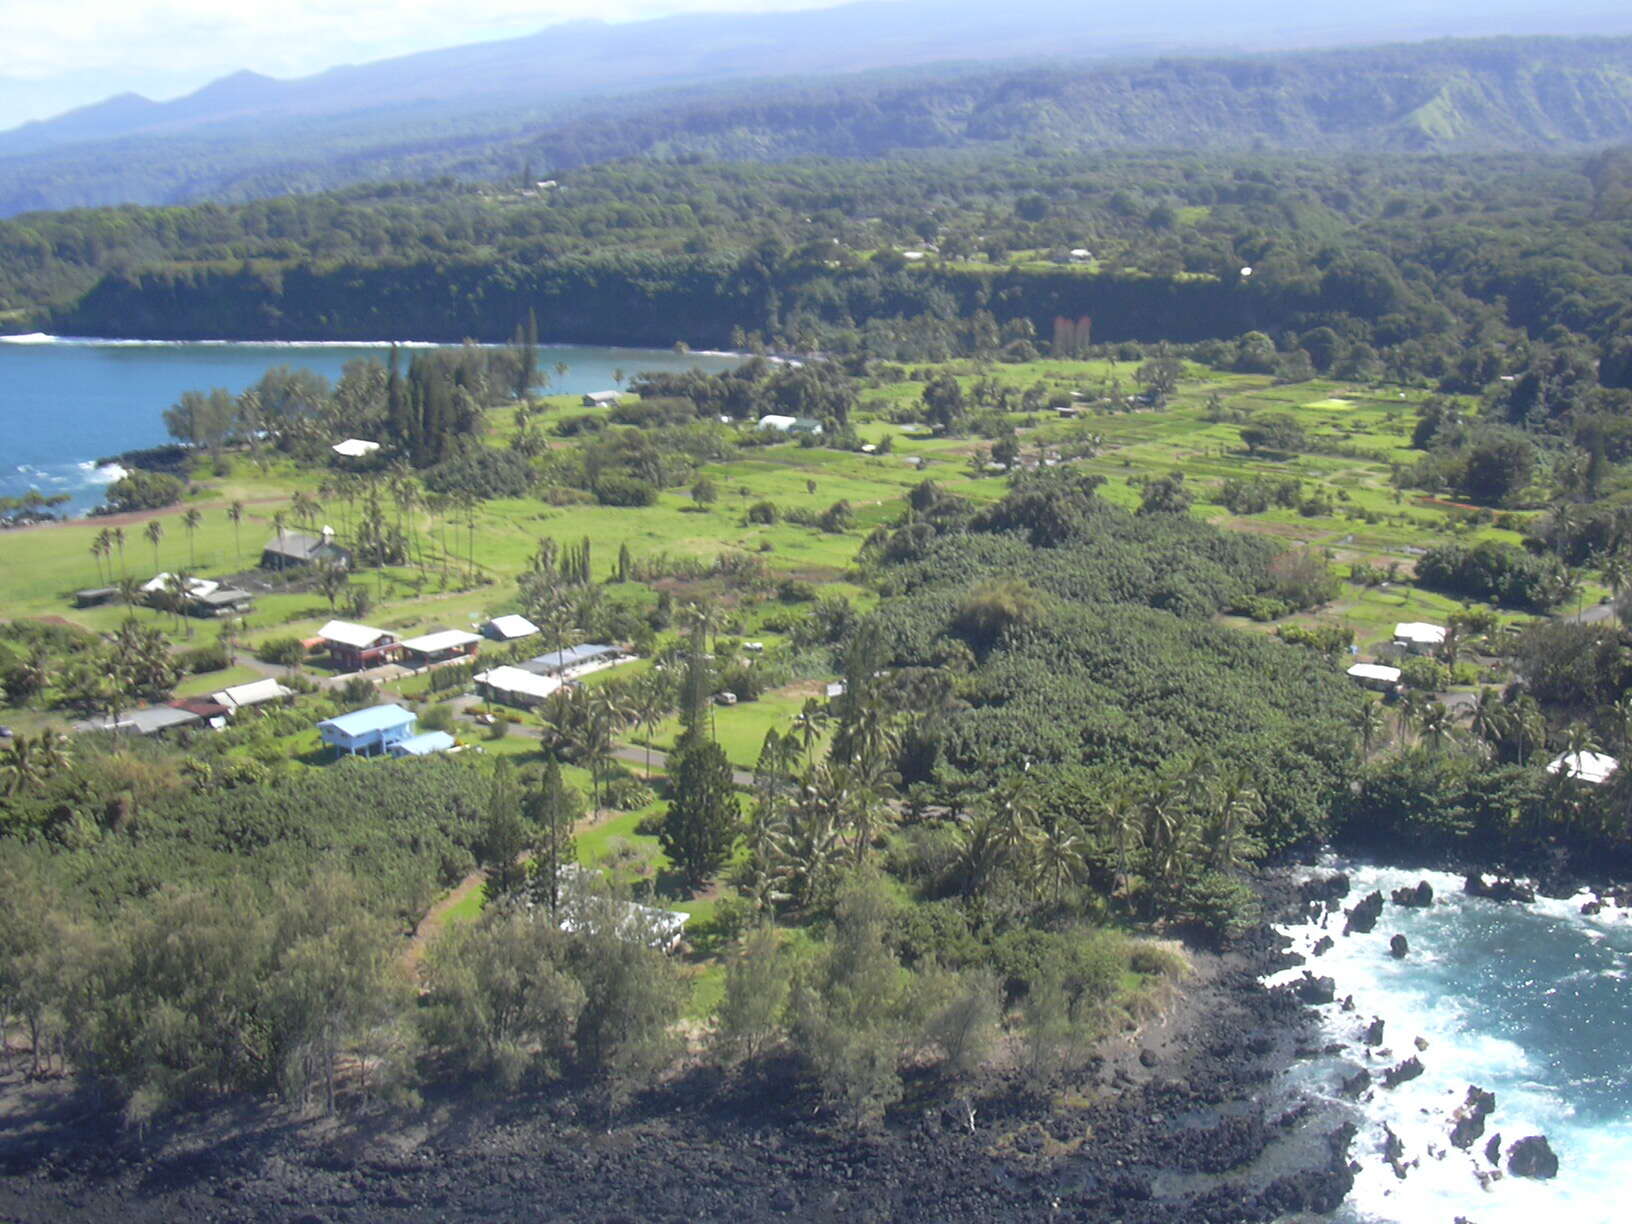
(248, 136)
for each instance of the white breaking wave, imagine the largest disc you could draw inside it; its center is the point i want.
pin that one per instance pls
(104, 342)
(1426, 996)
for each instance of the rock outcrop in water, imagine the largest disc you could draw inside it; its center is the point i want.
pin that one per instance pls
(1363, 917)
(1374, 1031)
(1532, 1156)
(1398, 947)
(1469, 1118)
(1325, 888)
(1419, 897)
(1311, 989)
(1401, 1072)
(1499, 889)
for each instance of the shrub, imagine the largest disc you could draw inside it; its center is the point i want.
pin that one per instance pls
(628, 794)
(618, 490)
(1429, 675)
(287, 652)
(204, 659)
(763, 512)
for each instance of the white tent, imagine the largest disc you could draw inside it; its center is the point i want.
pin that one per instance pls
(1419, 635)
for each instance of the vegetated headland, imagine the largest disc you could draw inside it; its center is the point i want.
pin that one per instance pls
(894, 842)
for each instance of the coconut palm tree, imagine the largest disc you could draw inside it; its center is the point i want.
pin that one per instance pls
(1435, 726)
(1060, 856)
(1236, 804)
(119, 542)
(651, 706)
(154, 533)
(1118, 817)
(190, 521)
(1370, 725)
(809, 724)
(235, 516)
(1488, 717)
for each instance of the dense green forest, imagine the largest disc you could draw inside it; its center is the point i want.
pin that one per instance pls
(1533, 95)
(1442, 268)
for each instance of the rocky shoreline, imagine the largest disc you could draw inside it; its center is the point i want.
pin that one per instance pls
(1183, 1121)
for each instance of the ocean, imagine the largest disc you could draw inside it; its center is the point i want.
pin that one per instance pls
(1531, 1002)
(65, 403)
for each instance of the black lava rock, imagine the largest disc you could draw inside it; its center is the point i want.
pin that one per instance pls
(1532, 1156)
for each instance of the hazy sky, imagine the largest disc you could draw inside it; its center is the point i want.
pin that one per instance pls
(64, 53)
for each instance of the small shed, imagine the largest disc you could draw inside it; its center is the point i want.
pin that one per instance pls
(440, 647)
(602, 399)
(258, 692)
(790, 424)
(1419, 637)
(368, 731)
(515, 686)
(1375, 676)
(1592, 767)
(223, 601)
(354, 647)
(427, 744)
(509, 628)
(355, 448)
(92, 597)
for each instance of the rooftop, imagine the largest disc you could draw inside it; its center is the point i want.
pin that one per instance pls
(1592, 767)
(367, 722)
(512, 626)
(434, 643)
(347, 634)
(1375, 671)
(251, 694)
(355, 448)
(1420, 631)
(572, 656)
(515, 680)
(423, 745)
(198, 587)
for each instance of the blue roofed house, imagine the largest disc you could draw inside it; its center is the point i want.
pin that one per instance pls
(369, 731)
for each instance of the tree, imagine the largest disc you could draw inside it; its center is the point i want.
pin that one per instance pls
(553, 809)
(850, 1007)
(757, 982)
(704, 493)
(190, 520)
(154, 532)
(1277, 432)
(235, 516)
(1161, 375)
(701, 821)
(943, 402)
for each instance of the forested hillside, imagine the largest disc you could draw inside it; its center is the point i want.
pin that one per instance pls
(1410, 265)
(1497, 94)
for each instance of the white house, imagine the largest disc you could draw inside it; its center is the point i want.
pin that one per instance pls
(1419, 637)
(1593, 767)
(602, 399)
(255, 693)
(1375, 675)
(516, 687)
(355, 448)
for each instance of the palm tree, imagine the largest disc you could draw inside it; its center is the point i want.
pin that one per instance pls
(1488, 717)
(21, 768)
(154, 533)
(1369, 725)
(119, 541)
(1435, 726)
(1616, 573)
(190, 521)
(651, 706)
(1236, 805)
(235, 516)
(809, 724)
(1119, 817)
(99, 549)
(1061, 860)
(130, 594)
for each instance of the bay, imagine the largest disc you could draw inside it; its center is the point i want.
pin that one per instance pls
(65, 403)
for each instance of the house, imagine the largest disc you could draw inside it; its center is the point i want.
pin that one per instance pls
(833, 689)
(369, 731)
(150, 721)
(259, 692)
(602, 399)
(355, 448)
(789, 424)
(441, 647)
(1375, 676)
(584, 908)
(355, 647)
(93, 597)
(1593, 767)
(223, 601)
(574, 661)
(1418, 637)
(509, 628)
(514, 686)
(427, 744)
(208, 709)
(159, 587)
(289, 549)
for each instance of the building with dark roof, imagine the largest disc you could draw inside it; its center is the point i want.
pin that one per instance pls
(289, 549)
